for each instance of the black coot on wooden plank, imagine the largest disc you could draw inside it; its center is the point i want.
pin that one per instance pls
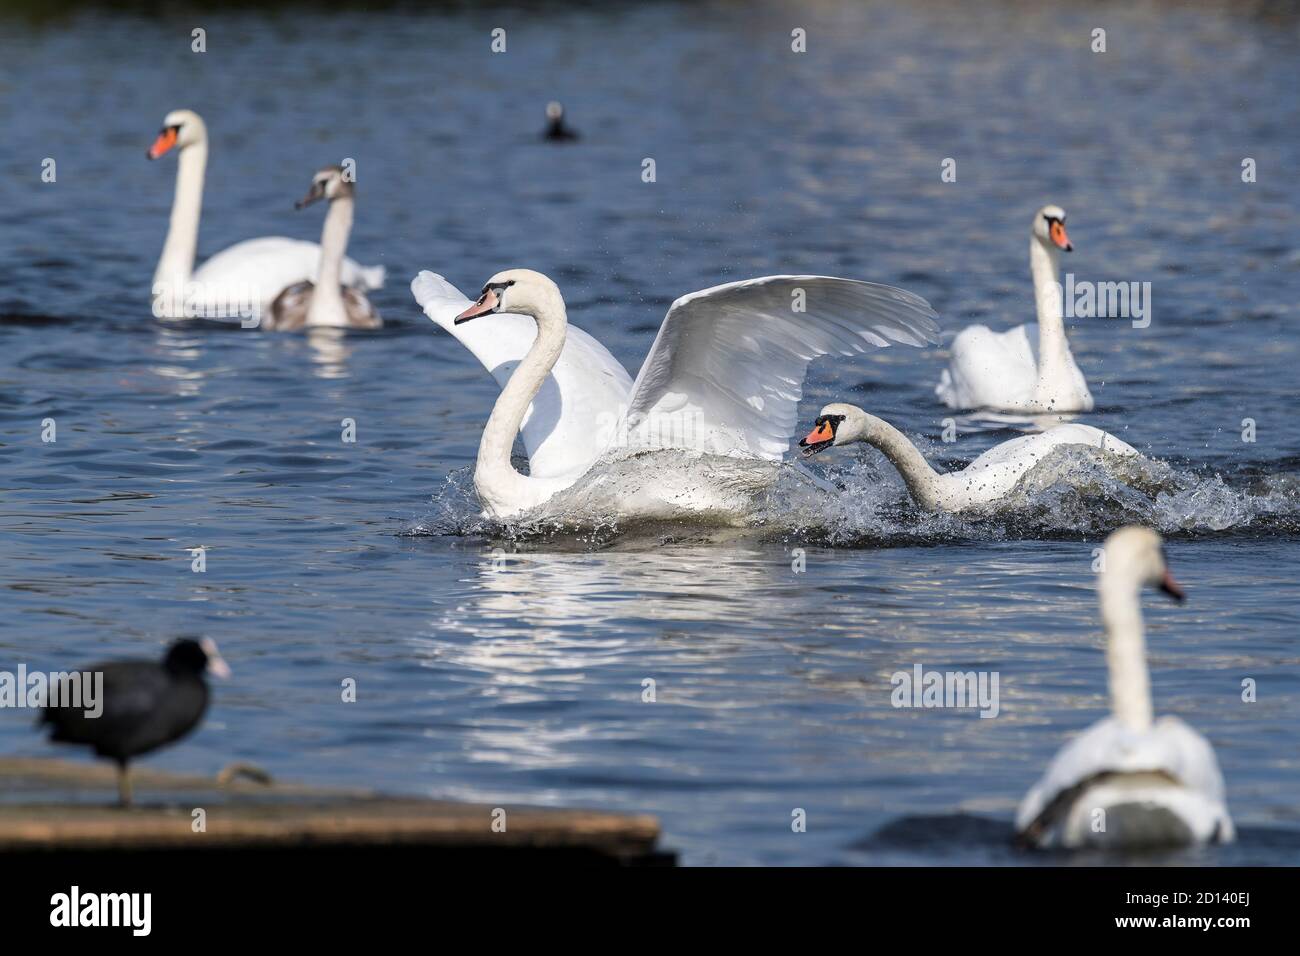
(146, 705)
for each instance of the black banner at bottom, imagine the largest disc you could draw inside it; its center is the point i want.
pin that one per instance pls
(332, 894)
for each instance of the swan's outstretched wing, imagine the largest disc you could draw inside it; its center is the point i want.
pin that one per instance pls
(573, 417)
(726, 373)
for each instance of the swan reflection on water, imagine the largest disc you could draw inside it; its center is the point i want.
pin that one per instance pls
(541, 596)
(330, 352)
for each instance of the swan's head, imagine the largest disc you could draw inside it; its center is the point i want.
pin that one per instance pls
(555, 111)
(328, 183)
(1049, 228)
(180, 128)
(1136, 555)
(838, 424)
(516, 290)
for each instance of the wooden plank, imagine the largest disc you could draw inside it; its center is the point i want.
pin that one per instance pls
(61, 805)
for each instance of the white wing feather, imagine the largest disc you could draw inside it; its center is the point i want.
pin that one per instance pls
(726, 372)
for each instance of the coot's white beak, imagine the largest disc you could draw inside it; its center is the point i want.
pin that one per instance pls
(217, 665)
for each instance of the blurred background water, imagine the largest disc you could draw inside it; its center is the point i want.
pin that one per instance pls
(518, 679)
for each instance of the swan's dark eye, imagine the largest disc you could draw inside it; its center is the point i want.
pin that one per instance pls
(831, 422)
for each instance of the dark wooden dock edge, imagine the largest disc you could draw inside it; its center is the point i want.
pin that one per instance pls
(53, 806)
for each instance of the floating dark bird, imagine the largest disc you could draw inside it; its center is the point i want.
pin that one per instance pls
(556, 131)
(145, 705)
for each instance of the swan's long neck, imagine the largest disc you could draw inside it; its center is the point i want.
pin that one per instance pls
(177, 260)
(502, 489)
(327, 306)
(1126, 651)
(922, 481)
(1053, 348)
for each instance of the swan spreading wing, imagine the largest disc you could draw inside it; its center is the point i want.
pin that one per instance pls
(726, 372)
(573, 418)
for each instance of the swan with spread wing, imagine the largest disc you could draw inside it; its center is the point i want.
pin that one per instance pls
(722, 382)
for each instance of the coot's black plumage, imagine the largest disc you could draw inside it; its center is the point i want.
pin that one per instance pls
(146, 705)
(556, 131)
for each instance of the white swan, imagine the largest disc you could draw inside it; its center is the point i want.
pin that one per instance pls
(1129, 781)
(238, 281)
(723, 379)
(1029, 368)
(990, 477)
(326, 302)
(572, 419)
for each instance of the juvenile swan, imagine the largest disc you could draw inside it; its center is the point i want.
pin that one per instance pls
(1029, 368)
(326, 302)
(1129, 780)
(990, 477)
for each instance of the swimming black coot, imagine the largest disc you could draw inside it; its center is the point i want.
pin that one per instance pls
(556, 131)
(146, 705)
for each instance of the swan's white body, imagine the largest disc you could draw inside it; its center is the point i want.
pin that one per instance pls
(1159, 786)
(1027, 369)
(241, 279)
(988, 479)
(995, 474)
(722, 381)
(271, 264)
(1129, 780)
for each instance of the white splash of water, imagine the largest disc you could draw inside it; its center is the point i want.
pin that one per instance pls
(1073, 491)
